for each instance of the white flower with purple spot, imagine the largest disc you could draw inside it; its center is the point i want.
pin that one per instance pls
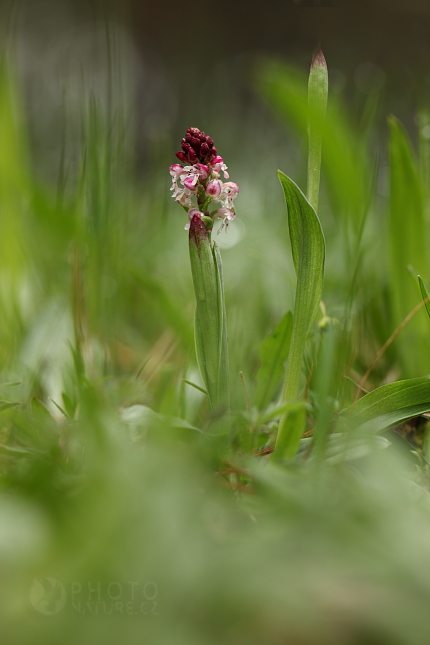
(218, 164)
(229, 192)
(227, 215)
(214, 189)
(190, 182)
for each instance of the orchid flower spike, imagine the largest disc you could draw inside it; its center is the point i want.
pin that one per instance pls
(197, 184)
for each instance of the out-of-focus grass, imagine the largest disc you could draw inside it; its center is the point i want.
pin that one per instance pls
(118, 482)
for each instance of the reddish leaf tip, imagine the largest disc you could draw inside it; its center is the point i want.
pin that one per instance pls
(198, 232)
(319, 59)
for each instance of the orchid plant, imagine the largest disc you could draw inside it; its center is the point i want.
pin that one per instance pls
(195, 187)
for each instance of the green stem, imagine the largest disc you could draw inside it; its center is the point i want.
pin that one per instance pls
(317, 103)
(210, 316)
(291, 427)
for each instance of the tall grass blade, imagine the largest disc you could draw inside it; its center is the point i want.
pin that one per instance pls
(408, 247)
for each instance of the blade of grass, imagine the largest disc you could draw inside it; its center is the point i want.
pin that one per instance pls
(388, 405)
(407, 242)
(197, 387)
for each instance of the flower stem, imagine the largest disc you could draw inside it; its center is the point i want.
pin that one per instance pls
(308, 255)
(317, 103)
(210, 317)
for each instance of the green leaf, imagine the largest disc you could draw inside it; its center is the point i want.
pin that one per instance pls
(308, 248)
(273, 354)
(210, 319)
(223, 374)
(197, 387)
(69, 405)
(63, 412)
(388, 405)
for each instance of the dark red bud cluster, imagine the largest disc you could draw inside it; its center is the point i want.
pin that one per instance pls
(196, 147)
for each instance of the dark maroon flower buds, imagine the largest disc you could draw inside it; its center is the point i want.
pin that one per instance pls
(199, 180)
(204, 149)
(192, 157)
(197, 147)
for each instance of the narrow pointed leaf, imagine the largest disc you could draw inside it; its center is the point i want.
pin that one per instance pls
(210, 319)
(197, 387)
(388, 405)
(223, 373)
(308, 249)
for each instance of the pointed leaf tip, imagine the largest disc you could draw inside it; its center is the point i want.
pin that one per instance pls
(197, 231)
(319, 60)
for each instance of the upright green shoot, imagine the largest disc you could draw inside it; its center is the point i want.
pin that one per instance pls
(317, 104)
(308, 248)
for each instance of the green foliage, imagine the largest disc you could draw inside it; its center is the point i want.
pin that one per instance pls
(210, 317)
(388, 405)
(408, 244)
(308, 249)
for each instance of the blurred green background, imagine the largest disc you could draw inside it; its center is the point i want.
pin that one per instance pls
(119, 517)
